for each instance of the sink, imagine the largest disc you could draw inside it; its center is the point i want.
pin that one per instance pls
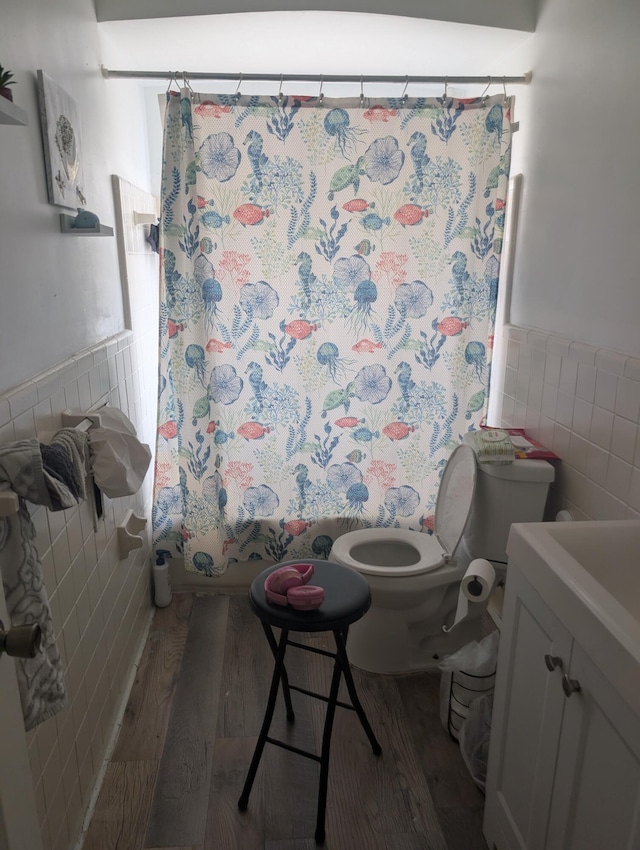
(610, 553)
(591, 572)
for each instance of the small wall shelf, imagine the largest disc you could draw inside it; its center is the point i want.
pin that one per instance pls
(11, 114)
(66, 226)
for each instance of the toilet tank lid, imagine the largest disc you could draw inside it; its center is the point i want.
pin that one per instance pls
(540, 471)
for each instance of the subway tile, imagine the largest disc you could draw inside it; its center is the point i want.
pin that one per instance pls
(506, 414)
(582, 413)
(22, 398)
(5, 410)
(628, 399)
(612, 508)
(586, 382)
(510, 381)
(513, 353)
(618, 477)
(61, 557)
(632, 369)
(58, 405)
(537, 339)
(7, 434)
(578, 452)
(72, 396)
(43, 420)
(582, 353)
(25, 426)
(549, 400)
(611, 361)
(597, 463)
(538, 363)
(536, 390)
(568, 376)
(561, 437)
(558, 345)
(519, 414)
(623, 438)
(75, 536)
(66, 594)
(601, 428)
(522, 387)
(84, 391)
(634, 489)
(552, 369)
(564, 409)
(606, 389)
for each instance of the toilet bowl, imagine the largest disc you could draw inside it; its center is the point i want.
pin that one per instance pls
(415, 576)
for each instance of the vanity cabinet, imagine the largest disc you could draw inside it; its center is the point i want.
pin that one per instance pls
(564, 757)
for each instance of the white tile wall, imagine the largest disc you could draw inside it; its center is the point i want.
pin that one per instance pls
(100, 604)
(584, 403)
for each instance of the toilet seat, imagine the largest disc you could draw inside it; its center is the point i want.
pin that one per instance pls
(413, 553)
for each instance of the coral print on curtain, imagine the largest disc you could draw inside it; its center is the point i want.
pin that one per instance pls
(328, 291)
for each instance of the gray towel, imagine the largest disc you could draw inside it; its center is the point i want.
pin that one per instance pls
(40, 679)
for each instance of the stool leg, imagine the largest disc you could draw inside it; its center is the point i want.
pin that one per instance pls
(324, 756)
(285, 679)
(243, 802)
(341, 653)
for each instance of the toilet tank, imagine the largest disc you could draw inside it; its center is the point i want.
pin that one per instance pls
(505, 493)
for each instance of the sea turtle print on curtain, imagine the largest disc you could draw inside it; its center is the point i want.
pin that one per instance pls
(328, 291)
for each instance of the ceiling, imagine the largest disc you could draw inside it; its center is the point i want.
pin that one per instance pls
(505, 14)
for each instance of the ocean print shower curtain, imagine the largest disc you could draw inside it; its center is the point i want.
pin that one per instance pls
(328, 291)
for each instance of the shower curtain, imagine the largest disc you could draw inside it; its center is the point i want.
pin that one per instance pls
(328, 290)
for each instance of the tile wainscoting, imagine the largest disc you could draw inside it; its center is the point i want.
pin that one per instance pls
(583, 403)
(101, 605)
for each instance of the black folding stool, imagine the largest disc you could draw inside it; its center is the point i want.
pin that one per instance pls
(347, 598)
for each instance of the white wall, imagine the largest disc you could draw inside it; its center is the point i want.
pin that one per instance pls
(62, 345)
(60, 294)
(576, 271)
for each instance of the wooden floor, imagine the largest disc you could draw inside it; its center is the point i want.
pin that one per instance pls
(192, 722)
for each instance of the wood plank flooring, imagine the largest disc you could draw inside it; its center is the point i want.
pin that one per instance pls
(191, 725)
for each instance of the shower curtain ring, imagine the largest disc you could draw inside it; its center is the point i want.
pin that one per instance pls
(320, 93)
(483, 96)
(280, 95)
(504, 89)
(237, 94)
(444, 96)
(361, 92)
(405, 96)
(172, 79)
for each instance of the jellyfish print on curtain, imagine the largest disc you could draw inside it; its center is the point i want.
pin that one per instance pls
(328, 290)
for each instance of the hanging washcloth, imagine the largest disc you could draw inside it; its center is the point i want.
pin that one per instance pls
(66, 459)
(493, 445)
(40, 679)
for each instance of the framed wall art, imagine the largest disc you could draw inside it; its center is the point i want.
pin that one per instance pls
(60, 124)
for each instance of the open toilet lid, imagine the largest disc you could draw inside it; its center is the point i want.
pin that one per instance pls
(455, 498)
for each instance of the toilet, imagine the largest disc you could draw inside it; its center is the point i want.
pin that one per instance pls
(415, 577)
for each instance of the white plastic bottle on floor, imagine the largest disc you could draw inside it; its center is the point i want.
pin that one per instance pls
(161, 582)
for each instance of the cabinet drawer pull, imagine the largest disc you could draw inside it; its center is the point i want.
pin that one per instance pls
(553, 661)
(570, 686)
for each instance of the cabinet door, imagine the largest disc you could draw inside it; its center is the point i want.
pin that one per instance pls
(527, 717)
(596, 796)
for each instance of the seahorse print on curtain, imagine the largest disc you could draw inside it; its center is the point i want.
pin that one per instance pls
(328, 289)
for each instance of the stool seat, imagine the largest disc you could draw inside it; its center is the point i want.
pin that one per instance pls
(347, 597)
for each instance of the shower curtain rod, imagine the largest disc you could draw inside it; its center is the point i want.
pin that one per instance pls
(108, 73)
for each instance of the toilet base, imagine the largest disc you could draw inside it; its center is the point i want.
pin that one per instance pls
(383, 642)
